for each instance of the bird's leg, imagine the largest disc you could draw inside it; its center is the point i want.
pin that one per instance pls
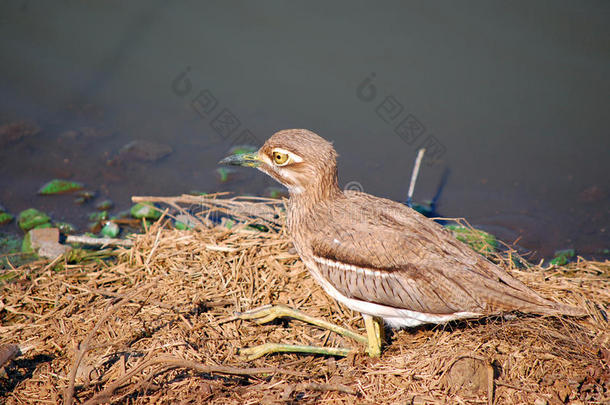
(268, 313)
(255, 352)
(374, 333)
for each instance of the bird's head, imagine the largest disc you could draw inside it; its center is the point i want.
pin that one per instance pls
(297, 158)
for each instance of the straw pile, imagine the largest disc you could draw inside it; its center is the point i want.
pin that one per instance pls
(157, 325)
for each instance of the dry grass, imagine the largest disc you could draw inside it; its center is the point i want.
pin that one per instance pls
(157, 326)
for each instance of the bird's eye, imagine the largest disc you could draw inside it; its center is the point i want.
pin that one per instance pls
(280, 158)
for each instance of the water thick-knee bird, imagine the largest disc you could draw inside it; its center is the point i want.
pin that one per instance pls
(376, 256)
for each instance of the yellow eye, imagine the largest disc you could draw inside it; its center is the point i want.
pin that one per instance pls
(280, 158)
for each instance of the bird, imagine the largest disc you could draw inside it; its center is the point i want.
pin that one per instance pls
(377, 256)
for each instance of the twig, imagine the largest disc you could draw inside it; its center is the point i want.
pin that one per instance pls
(414, 174)
(184, 198)
(242, 208)
(88, 240)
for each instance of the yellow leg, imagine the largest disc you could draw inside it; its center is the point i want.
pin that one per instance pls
(268, 313)
(252, 353)
(374, 334)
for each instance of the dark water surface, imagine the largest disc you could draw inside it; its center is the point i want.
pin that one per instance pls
(512, 98)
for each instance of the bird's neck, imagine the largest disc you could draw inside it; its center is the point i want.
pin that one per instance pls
(304, 199)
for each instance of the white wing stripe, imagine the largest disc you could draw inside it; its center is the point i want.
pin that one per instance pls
(351, 267)
(395, 317)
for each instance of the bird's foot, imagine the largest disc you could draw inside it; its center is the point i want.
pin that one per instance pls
(268, 313)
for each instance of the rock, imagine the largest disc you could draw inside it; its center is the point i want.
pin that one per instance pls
(110, 230)
(45, 243)
(57, 186)
(5, 218)
(145, 151)
(468, 375)
(562, 257)
(105, 205)
(478, 240)
(14, 132)
(140, 211)
(32, 218)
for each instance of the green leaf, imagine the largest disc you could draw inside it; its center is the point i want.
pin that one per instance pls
(5, 218)
(140, 211)
(478, 240)
(32, 218)
(57, 186)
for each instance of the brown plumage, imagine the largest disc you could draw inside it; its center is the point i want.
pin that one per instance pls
(380, 257)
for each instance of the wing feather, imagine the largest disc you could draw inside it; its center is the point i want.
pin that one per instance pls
(395, 257)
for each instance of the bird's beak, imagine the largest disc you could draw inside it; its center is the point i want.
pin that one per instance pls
(242, 159)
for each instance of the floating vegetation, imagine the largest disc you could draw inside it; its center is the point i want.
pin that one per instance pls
(478, 240)
(57, 186)
(146, 211)
(110, 230)
(563, 257)
(5, 218)
(32, 218)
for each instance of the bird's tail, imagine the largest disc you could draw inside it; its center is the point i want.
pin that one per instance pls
(557, 309)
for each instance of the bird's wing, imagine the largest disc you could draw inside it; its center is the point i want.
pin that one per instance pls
(404, 260)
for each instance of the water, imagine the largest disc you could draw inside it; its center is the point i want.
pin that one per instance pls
(511, 98)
